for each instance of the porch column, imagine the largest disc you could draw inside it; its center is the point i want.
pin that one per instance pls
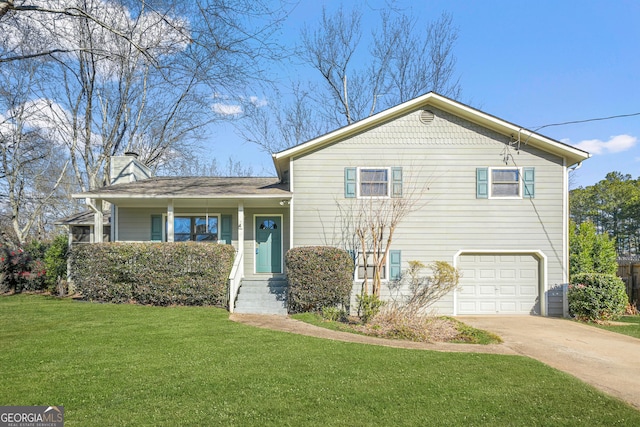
(98, 218)
(241, 233)
(170, 221)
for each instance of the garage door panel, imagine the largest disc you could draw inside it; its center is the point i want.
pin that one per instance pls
(487, 274)
(487, 306)
(528, 273)
(508, 290)
(498, 284)
(487, 290)
(508, 307)
(468, 273)
(508, 274)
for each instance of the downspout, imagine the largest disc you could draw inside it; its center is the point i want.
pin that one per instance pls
(567, 250)
(575, 167)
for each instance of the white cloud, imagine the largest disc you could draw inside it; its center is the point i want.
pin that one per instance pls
(615, 144)
(33, 31)
(226, 109)
(258, 102)
(47, 117)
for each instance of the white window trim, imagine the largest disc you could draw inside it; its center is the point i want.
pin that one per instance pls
(358, 182)
(386, 269)
(186, 214)
(520, 183)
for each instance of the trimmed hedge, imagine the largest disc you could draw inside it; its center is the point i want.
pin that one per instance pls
(153, 273)
(594, 296)
(319, 276)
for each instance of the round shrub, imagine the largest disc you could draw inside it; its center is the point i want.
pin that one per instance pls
(319, 276)
(594, 296)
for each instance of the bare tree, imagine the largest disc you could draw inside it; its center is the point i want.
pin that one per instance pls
(84, 80)
(404, 61)
(136, 75)
(194, 166)
(34, 168)
(369, 225)
(279, 126)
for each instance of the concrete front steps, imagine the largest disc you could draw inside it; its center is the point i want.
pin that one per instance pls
(262, 296)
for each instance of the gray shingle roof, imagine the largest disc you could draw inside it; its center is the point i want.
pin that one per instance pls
(83, 218)
(192, 187)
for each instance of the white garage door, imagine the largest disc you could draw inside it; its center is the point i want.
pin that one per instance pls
(498, 284)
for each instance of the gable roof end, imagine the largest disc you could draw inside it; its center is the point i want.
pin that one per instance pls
(571, 154)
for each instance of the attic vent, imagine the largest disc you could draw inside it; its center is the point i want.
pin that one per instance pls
(426, 116)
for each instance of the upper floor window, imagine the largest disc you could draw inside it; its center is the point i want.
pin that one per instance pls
(380, 182)
(505, 183)
(374, 182)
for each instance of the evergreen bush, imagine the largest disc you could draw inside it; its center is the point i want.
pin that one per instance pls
(182, 273)
(55, 261)
(594, 296)
(319, 276)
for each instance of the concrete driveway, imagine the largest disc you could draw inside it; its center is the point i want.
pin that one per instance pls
(606, 360)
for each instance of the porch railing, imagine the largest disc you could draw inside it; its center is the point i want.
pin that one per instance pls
(235, 278)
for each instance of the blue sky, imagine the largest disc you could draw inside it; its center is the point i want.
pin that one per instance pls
(530, 63)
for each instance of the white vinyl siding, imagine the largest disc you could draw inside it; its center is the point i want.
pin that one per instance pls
(439, 165)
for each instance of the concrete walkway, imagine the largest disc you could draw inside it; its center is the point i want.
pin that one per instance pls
(606, 360)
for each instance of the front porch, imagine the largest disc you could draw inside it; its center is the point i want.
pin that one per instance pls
(252, 214)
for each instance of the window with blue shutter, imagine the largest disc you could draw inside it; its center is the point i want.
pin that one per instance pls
(396, 182)
(505, 182)
(380, 182)
(482, 183)
(156, 228)
(350, 182)
(529, 179)
(395, 265)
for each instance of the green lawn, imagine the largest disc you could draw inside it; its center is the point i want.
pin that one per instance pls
(631, 326)
(133, 365)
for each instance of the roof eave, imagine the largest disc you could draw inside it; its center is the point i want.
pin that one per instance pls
(571, 154)
(109, 195)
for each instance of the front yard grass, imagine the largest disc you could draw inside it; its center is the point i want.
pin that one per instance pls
(136, 365)
(627, 325)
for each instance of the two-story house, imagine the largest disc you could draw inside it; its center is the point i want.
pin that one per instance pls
(486, 195)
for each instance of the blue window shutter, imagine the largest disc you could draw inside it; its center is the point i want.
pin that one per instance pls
(225, 229)
(395, 265)
(482, 183)
(529, 178)
(350, 183)
(396, 182)
(156, 228)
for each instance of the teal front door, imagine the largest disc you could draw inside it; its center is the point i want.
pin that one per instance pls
(268, 244)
